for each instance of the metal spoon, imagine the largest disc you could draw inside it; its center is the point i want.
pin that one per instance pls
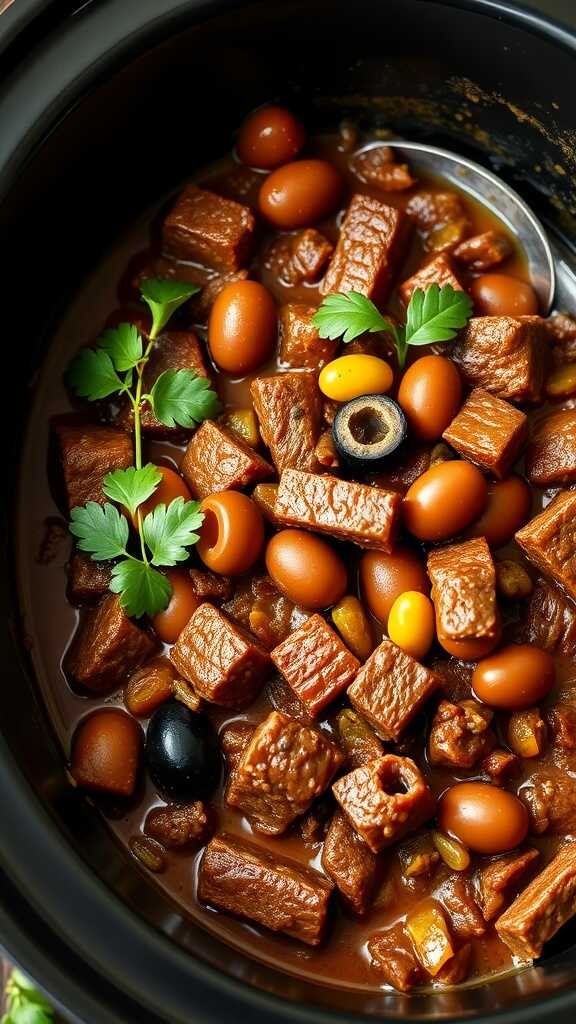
(498, 197)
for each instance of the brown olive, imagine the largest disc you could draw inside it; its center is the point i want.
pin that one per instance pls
(487, 819)
(170, 487)
(384, 577)
(182, 604)
(444, 500)
(507, 509)
(300, 193)
(430, 393)
(503, 295)
(515, 677)
(232, 534)
(269, 137)
(306, 569)
(106, 752)
(242, 327)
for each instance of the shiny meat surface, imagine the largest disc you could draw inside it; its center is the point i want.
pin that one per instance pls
(87, 453)
(300, 344)
(505, 355)
(216, 459)
(550, 620)
(205, 228)
(390, 688)
(500, 879)
(315, 663)
(488, 432)
(464, 589)
(551, 451)
(440, 271)
(549, 541)
(542, 908)
(460, 734)
(107, 647)
(350, 864)
(289, 413)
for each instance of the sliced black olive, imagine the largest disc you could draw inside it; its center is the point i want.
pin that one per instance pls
(182, 754)
(368, 430)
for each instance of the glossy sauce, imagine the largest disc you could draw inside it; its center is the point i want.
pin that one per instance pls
(50, 621)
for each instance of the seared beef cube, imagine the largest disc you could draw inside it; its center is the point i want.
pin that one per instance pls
(542, 907)
(390, 688)
(488, 432)
(506, 355)
(371, 241)
(315, 663)
(376, 167)
(551, 620)
(438, 271)
(464, 589)
(177, 826)
(300, 344)
(549, 541)
(393, 957)
(89, 452)
(216, 459)
(551, 451)
(483, 251)
(208, 586)
(455, 895)
(364, 515)
(500, 878)
(499, 765)
(550, 796)
(289, 413)
(561, 722)
(299, 258)
(244, 879)
(234, 739)
(205, 228)
(174, 350)
(434, 210)
(283, 699)
(87, 580)
(385, 800)
(460, 734)
(350, 864)
(283, 768)
(107, 647)
(225, 664)
(355, 737)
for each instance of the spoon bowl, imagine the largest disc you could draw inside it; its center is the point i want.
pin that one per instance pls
(500, 199)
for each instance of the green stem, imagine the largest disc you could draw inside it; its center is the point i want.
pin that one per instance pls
(137, 402)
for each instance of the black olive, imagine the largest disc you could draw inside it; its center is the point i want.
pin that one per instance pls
(182, 752)
(368, 430)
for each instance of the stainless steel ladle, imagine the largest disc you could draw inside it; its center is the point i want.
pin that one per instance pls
(498, 197)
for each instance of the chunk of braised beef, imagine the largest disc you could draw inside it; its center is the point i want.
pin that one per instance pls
(87, 453)
(288, 408)
(314, 824)
(500, 765)
(455, 678)
(385, 800)
(551, 450)
(488, 432)
(205, 228)
(457, 968)
(106, 647)
(439, 270)
(393, 957)
(376, 166)
(542, 907)
(550, 620)
(402, 472)
(234, 739)
(243, 878)
(282, 769)
(481, 252)
(176, 826)
(315, 663)
(561, 722)
(355, 737)
(505, 355)
(500, 878)
(561, 331)
(217, 459)
(391, 688)
(87, 580)
(207, 586)
(299, 258)
(549, 541)
(350, 864)
(464, 589)
(550, 796)
(301, 346)
(460, 734)
(260, 607)
(456, 896)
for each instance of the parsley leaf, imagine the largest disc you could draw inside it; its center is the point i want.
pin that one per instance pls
(101, 530)
(91, 374)
(124, 346)
(168, 531)
(164, 297)
(142, 589)
(131, 487)
(436, 314)
(181, 397)
(348, 315)
(24, 1003)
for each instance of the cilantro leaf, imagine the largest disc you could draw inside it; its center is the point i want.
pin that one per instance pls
(347, 315)
(25, 1004)
(142, 589)
(164, 297)
(131, 487)
(101, 530)
(168, 531)
(124, 346)
(91, 374)
(23, 1012)
(436, 314)
(181, 397)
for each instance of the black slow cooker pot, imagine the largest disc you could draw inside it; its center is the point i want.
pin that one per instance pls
(102, 109)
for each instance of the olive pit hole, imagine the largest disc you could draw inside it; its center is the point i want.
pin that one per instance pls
(368, 426)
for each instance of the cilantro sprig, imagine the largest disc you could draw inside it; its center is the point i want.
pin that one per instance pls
(433, 315)
(115, 366)
(24, 1003)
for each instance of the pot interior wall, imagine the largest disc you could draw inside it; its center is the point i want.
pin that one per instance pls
(424, 69)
